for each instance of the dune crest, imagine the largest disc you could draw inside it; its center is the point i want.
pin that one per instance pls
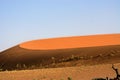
(72, 42)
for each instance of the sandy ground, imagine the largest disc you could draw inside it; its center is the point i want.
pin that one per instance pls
(76, 73)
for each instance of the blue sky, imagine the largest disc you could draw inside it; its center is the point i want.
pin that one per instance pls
(24, 20)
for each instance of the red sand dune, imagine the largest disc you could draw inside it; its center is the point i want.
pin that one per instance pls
(67, 51)
(73, 42)
(73, 54)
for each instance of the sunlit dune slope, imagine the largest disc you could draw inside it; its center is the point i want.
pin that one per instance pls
(72, 42)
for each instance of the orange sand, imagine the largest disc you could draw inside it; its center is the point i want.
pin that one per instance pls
(72, 42)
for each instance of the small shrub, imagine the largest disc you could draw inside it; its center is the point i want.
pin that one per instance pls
(72, 57)
(1, 69)
(100, 55)
(117, 51)
(91, 57)
(69, 78)
(53, 60)
(18, 66)
(24, 66)
(111, 54)
(113, 51)
(81, 57)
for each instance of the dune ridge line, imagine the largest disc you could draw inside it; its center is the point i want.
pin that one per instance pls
(72, 42)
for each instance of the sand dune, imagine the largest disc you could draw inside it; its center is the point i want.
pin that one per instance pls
(72, 42)
(63, 52)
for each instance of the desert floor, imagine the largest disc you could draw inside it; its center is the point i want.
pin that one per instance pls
(76, 73)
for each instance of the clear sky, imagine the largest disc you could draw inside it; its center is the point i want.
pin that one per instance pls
(24, 20)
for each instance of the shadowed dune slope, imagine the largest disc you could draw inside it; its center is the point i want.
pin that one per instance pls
(63, 56)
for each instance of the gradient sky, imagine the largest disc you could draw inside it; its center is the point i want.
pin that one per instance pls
(24, 20)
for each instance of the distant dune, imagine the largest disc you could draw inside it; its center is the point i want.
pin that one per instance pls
(72, 42)
(62, 52)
